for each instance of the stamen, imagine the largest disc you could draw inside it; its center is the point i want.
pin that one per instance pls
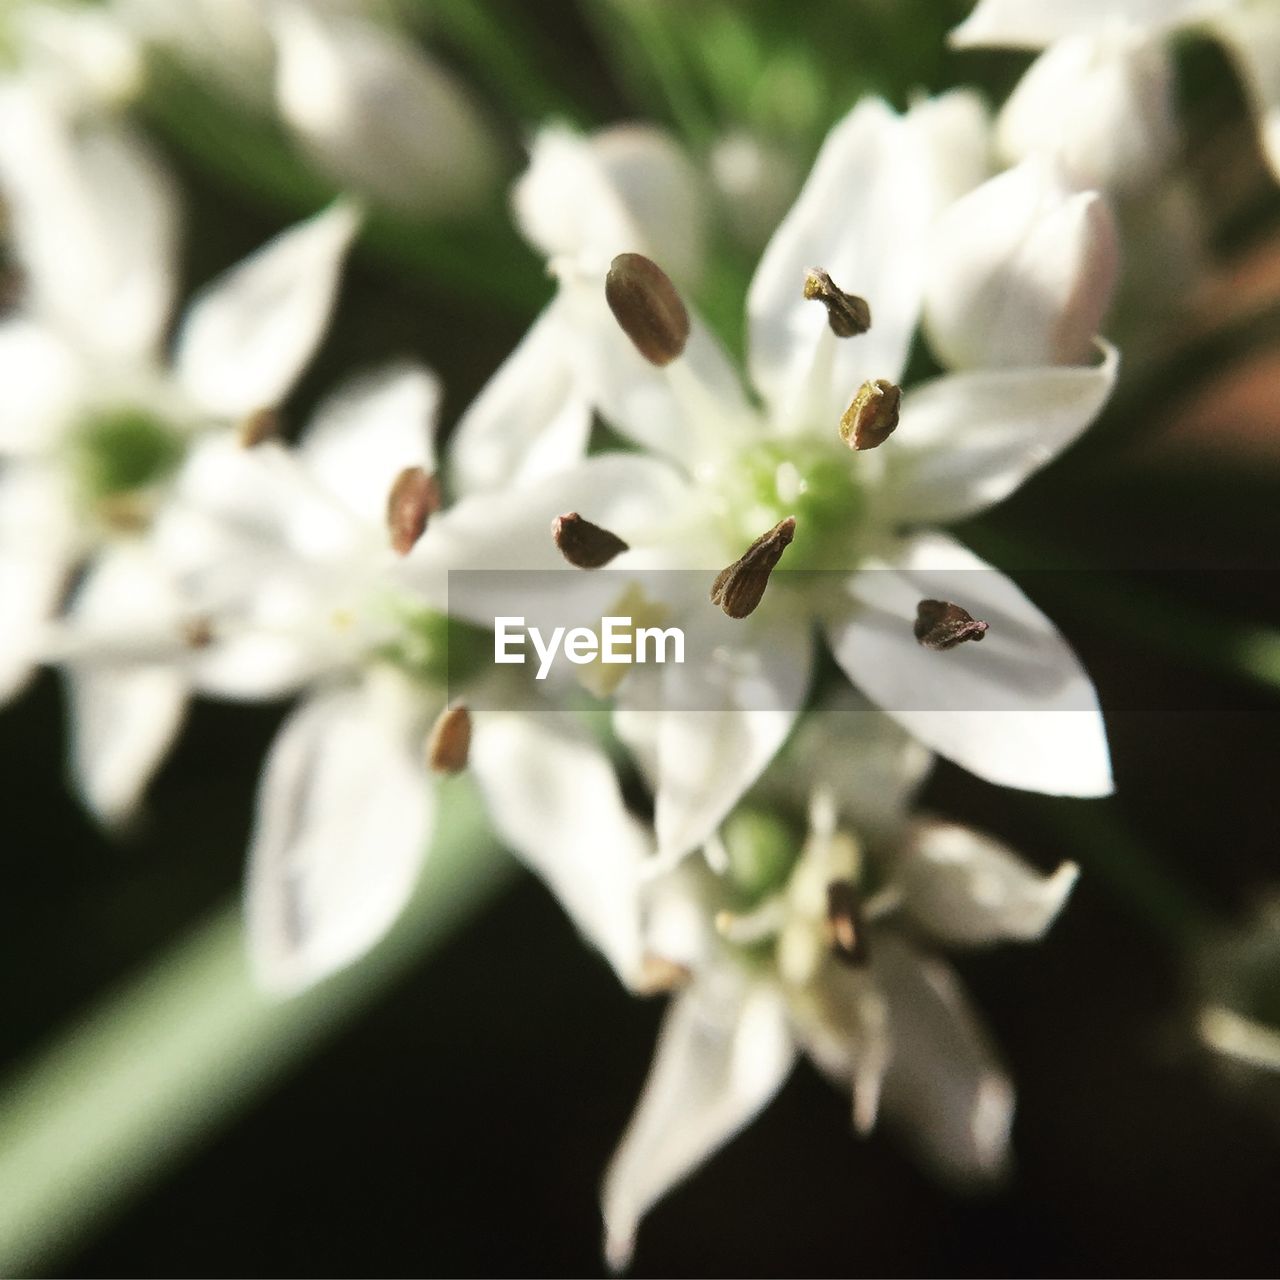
(414, 496)
(261, 425)
(844, 924)
(942, 625)
(847, 314)
(450, 742)
(583, 544)
(645, 303)
(740, 588)
(873, 416)
(658, 975)
(197, 632)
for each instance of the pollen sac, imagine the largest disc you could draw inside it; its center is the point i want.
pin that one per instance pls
(647, 307)
(942, 625)
(873, 416)
(845, 925)
(583, 544)
(660, 976)
(847, 314)
(450, 742)
(413, 498)
(740, 588)
(258, 427)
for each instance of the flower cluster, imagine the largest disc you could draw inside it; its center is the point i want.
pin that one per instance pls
(923, 334)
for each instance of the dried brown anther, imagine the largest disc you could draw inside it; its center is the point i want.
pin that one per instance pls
(645, 303)
(583, 544)
(740, 588)
(450, 742)
(942, 625)
(847, 314)
(414, 496)
(259, 426)
(873, 416)
(845, 927)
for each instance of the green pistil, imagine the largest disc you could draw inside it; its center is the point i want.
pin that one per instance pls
(815, 482)
(123, 451)
(437, 649)
(762, 849)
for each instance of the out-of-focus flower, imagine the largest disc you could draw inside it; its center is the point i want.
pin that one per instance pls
(376, 113)
(292, 571)
(822, 943)
(1238, 986)
(1119, 74)
(1012, 278)
(95, 423)
(75, 54)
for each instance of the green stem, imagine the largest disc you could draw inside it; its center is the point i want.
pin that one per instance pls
(179, 1050)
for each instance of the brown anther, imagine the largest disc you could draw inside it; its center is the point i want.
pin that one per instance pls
(845, 928)
(873, 416)
(942, 625)
(259, 426)
(583, 544)
(645, 303)
(414, 496)
(658, 975)
(740, 588)
(847, 314)
(197, 633)
(450, 742)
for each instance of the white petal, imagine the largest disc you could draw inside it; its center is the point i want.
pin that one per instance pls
(378, 115)
(1016, 709)
(344, 818)
(1251, 34)
(625, 189)
(41, 377)
(724, 714)
(37, 548)
(247, 335)
(94, 223)
(944, 1086)
(531, 419)
(966, 889)
(1032, 24)
(968, 440)
(1020, 272)
(368, 431)
(723, 1052)
(81, 57)
(124, 715)
(863, 759)
(1101, 104)
(863, 216)
(554, 798)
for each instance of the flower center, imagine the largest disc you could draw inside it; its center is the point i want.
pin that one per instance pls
(434, 649)
(120, 452)
(811, 480)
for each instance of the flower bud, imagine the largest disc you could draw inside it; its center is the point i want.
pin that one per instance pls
(1021, 272)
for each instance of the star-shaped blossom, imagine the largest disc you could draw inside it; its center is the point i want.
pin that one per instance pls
(1008, 278)
(276, 571)
(824, 942)
(96, 420)
(1106, 65)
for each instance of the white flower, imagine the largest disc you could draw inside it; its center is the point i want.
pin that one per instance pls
(95, 422)
(819, 947)
(288, 568)
(374, 112)
(1009, 307)
(1113, 43)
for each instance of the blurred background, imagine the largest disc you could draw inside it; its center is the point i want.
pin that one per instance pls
(451, 1109)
